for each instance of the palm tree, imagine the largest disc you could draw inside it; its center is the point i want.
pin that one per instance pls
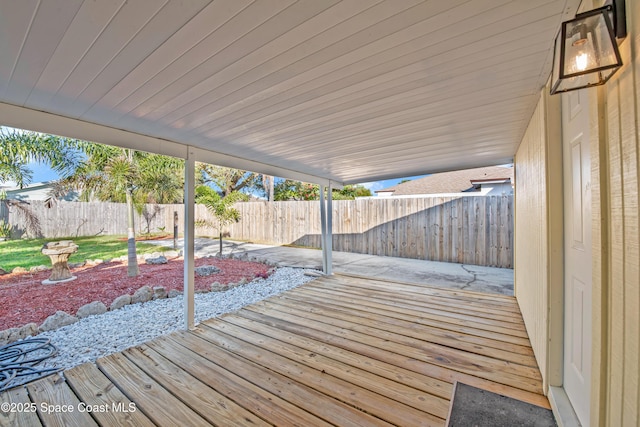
(221, 207)
(125, 175)
(19, 148)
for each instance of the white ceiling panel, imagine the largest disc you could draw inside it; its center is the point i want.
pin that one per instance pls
(347, 91)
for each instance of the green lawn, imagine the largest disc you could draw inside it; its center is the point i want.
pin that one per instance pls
(26, 253)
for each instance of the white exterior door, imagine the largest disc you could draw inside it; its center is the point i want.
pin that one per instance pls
(577, 252)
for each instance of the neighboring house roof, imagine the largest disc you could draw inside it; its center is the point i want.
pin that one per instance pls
(36, 191)
(452, 182)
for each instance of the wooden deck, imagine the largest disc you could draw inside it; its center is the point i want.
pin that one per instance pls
(340, 350)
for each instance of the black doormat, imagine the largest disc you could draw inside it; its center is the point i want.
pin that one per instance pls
(474, 407)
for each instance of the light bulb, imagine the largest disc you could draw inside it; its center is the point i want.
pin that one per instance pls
(582, 61)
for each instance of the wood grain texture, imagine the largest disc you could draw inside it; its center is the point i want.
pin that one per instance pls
(58, 406)
(96, 390)
(198, 358)
(209, 404)
(18, 416)
(150, 397)
(340, 350)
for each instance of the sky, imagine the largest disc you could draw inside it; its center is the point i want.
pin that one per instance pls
(379, 185)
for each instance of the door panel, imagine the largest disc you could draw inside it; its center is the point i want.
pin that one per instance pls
(577, 252)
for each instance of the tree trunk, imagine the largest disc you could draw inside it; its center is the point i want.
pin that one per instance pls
(132, 257)
(268, 182)
(220, 242)
(272, 184)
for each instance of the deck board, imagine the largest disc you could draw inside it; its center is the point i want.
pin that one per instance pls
(53, 392)
(97, 391)
(18, 416)
(340, 350)
(398, 329)
(191, 358)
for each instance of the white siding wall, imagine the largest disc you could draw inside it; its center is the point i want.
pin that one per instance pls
(531, 244)
(619, 263)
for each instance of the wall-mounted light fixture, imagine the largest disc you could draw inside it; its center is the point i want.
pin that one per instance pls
(586, 51)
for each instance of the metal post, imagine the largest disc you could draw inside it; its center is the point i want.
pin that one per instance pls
(175, 230)
(329, 234)
(189, 228)
(323, 228)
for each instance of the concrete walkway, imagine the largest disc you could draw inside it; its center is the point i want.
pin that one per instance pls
(445, 274)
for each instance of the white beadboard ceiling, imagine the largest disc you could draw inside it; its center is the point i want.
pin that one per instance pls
(347, 91)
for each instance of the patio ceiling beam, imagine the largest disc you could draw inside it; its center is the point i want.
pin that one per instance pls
(41, 121)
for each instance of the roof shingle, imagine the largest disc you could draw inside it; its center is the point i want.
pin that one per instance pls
(450, 182)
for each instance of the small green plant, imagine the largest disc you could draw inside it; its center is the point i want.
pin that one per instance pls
(5, 229)
(220, 207)
(161, 229)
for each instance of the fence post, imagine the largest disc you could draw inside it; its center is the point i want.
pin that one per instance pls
(175, 230)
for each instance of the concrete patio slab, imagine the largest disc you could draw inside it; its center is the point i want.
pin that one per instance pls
(444, 274)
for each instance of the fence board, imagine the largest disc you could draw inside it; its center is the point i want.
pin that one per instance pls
(471, 229)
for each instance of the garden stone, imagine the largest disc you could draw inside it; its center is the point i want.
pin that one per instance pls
(15, 335)
(5, 336)
(206, 270)
(2, 272)
(143, 294)
(172, 254)
(19, 270)
(38, 269)
(218, 287)
(27, 330)
(174, 293)
(152, 255)
(159, 292)
(57, 320)
(91, 309)
(158, 260)
(77, 264)
(120, 302)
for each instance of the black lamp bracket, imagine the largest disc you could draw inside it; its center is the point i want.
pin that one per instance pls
(619, 18)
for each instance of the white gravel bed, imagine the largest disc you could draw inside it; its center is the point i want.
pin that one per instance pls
(101, 335)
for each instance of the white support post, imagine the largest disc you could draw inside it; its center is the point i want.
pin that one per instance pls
(188, 248)
(329, 234)
(323, 228)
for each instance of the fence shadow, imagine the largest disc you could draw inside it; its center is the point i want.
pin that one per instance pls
(475, 231)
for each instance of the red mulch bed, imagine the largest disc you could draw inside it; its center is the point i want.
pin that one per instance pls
(24, 299)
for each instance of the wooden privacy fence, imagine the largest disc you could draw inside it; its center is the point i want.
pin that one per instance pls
(471, 229)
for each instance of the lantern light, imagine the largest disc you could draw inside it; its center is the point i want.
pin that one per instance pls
(586, 50)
